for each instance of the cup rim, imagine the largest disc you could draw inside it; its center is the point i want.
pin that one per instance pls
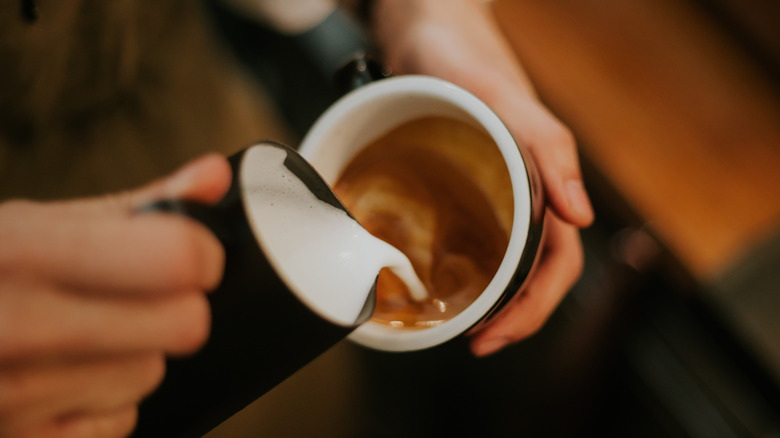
(381, 336)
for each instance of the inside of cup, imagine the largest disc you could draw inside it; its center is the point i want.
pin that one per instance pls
(372, 111)
(338, 146)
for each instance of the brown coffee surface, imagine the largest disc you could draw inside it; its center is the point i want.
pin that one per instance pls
(438, 190)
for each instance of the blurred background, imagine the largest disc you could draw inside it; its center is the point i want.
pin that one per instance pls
(673, 329)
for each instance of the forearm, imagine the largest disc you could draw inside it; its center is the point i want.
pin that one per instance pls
(413, 33)
(287, 16)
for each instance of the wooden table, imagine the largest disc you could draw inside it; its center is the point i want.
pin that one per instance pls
(684, 127)
(669, 109)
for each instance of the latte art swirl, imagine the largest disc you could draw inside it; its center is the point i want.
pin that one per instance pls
(438, 190)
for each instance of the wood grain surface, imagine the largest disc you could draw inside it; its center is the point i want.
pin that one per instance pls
(669, 109)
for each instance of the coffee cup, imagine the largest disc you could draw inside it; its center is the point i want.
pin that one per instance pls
(381, 108)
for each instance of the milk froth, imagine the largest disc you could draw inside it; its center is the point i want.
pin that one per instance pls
(329, 261)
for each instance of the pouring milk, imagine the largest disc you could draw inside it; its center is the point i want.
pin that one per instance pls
(323, 254)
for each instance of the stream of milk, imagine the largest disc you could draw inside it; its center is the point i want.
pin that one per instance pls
(328, 260)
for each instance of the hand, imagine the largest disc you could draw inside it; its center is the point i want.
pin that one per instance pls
(457, 40)
(92, 299)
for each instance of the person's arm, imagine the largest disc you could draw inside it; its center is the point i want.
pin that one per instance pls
(458, 40)
(93, 297)
(286, 16)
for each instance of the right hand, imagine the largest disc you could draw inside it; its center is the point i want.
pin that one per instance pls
(459, 40)
(93, 297)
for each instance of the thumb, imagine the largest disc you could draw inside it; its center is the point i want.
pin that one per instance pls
(205, 179)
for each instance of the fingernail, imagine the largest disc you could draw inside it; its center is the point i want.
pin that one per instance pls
(486, 348)
(578, 199)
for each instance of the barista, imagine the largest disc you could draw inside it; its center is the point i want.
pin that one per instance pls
(89, 92)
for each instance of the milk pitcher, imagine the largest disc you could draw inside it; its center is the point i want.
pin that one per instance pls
(263, 327)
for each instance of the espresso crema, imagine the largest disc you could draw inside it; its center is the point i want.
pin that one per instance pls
(438, 190)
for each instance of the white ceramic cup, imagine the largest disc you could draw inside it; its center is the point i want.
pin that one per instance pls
(372, 110)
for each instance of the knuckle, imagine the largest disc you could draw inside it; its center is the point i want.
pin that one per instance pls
(196, 257)
(530, 327)
(194, 329)
(562, 135)
(152, 373)
(183, 250)
(554, 131)
(558, 140)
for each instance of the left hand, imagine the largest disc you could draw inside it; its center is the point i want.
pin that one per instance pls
(94, 297)
(458, 40)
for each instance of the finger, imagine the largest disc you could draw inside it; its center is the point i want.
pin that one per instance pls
(96, 240)
(559, 267)
(142, 253)
(205, 179)
(119, 423)
(554, 150)
(44, 393)
(114, 424)
(50, 323)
